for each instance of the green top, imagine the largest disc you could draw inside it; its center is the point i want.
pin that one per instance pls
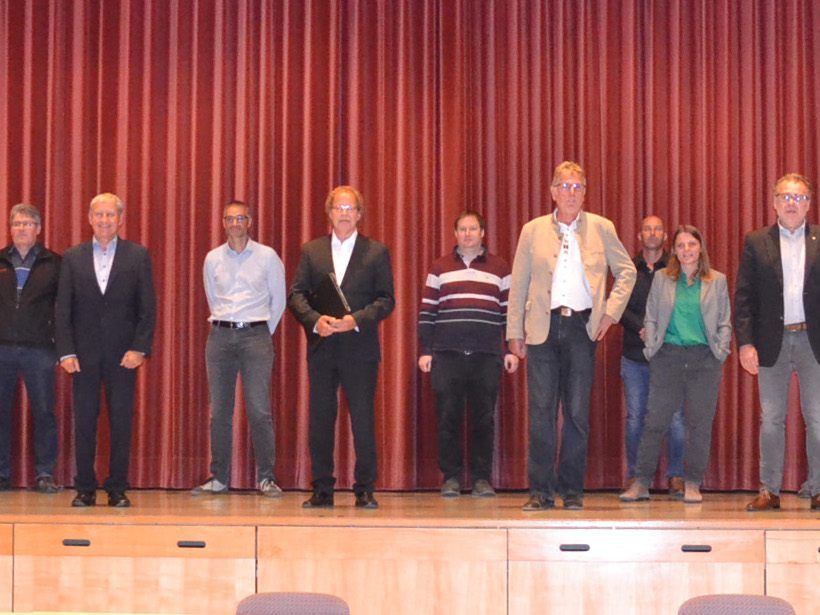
(686, 326)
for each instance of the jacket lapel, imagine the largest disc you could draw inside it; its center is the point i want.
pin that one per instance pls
(811, 252)
(355, 259)
(773, 248)
(87, 259)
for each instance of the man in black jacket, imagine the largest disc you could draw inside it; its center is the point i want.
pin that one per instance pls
(777, 324)
(28, 287)
(343, 351)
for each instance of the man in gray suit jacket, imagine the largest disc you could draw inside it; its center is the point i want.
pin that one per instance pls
(777, 323)
(105, 325)
(343, 349)
(558, 310)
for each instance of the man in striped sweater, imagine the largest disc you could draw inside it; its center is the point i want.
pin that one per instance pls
(461, 343)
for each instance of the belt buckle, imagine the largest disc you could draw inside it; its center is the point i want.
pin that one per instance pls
(565, 311)
(241, 325)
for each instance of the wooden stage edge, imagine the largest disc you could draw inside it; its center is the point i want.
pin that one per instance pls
(602, 510)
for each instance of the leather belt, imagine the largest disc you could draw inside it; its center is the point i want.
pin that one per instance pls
(228, 324)
(798, 326)
(567, 312)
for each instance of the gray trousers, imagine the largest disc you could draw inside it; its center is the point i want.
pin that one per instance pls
(680, 374)
(249, 353)
(795, 357)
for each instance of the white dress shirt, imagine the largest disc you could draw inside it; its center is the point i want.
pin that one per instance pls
(570, 287)
(342, 251)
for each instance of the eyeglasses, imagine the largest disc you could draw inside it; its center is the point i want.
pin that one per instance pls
(567, 186)
(790, 197)
(23, 224)
(344, 209)
(232, 219)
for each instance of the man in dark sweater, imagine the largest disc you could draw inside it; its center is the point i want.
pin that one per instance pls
(634, 366)
(28, 288)
(461, 326)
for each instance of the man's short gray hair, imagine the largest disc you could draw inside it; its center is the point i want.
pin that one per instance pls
(107, 196)
(24, 209)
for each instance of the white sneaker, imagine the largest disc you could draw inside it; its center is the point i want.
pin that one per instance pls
(269, 488)
(211, 486)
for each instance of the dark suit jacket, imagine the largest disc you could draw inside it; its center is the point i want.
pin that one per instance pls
(367, 285)
(93, 325)
(759, 293)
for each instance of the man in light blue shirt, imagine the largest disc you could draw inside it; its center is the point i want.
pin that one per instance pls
(245, 287)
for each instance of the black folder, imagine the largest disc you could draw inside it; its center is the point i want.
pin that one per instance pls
(328, 298)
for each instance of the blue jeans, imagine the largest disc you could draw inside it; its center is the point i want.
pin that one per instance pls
(249, 353)
(560, 371)
(636, 391)
(795, 356)
(37, 368)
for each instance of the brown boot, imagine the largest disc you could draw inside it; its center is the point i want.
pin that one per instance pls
(676, 487)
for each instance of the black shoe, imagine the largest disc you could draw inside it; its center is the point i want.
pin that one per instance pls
(319, 500)
(84, 498)
(5, 483)
(573, 502)
(366, 500)
(118, 499)
(538, 501)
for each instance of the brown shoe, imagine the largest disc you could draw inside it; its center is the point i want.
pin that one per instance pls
(764, 501)
(676, 487)
(815, 502)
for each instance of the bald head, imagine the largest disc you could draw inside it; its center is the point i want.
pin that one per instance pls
(652, 236)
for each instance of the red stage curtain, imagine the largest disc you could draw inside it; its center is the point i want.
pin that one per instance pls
(689, 110)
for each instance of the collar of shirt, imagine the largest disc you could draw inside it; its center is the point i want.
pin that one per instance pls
(246, 251)
(796, 233)
(562, 228)
(337, 243)
(481, 256)
(110, 248)
(32, 253)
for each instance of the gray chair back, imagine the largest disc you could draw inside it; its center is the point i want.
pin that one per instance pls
(292, 603)
(735, 604)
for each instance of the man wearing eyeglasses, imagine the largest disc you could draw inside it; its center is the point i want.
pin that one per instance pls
(29, 274)
(343, 349)
(558, 311)
(245, 288)
(777, 323)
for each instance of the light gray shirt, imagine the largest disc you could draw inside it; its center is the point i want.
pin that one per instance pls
(248, 286)
(793, 259)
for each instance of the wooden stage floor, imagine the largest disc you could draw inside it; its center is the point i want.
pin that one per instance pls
(418, 509)
(200, 555)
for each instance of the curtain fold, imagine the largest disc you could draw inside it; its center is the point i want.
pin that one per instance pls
(687, 110)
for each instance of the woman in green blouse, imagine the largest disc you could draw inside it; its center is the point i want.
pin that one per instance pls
(687, 337)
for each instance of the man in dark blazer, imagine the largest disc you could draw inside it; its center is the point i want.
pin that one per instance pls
(343, 350)
(105, 325)
(777, 323)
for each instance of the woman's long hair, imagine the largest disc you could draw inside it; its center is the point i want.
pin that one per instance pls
(704, 271)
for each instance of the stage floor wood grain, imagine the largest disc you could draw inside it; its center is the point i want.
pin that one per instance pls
(428, 509)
